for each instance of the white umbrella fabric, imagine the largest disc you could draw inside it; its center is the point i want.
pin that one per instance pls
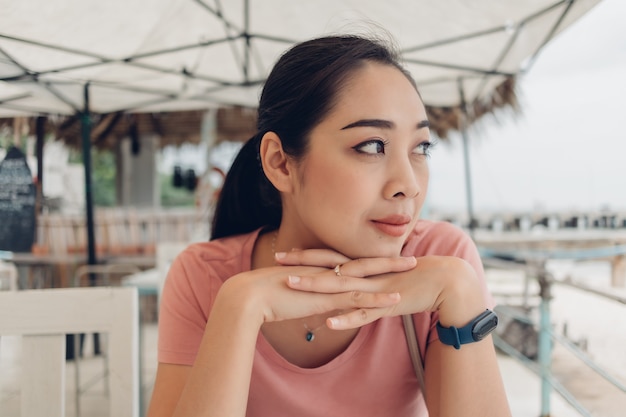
(168, 55)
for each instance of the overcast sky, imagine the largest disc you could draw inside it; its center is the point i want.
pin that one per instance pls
(567, 151)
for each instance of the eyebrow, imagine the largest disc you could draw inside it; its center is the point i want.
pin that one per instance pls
(382, 124)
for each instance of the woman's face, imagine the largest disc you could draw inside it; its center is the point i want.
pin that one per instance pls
(362, 183)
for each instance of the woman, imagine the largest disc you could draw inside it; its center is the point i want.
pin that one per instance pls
(293, 308)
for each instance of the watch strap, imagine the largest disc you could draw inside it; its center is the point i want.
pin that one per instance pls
(455, 336)
(474, 331)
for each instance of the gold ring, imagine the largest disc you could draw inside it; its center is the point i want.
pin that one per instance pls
(338, 270)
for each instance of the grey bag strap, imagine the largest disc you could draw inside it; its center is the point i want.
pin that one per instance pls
(414, 350)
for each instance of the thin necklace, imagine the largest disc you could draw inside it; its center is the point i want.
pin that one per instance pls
(310, 333)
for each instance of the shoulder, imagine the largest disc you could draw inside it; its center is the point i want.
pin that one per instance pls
(437, 238)
(197, 273)
(445, 239)
(201, 268)
(228, 255)
(439, 229)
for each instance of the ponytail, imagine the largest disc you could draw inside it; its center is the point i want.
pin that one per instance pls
(247, 200)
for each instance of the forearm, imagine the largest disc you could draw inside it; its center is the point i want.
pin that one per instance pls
(466, 381)
(220, 379)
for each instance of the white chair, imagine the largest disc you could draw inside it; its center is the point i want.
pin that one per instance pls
(150, 282)
(44, 317)
(98, 275)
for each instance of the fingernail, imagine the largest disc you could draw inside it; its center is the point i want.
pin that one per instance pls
(333, 322)
(394, 296)
(280, 255)
(294, 279)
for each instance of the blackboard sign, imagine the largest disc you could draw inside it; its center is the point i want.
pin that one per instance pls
(17, 203)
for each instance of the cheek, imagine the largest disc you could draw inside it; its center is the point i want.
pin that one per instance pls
(423, 179)
(329, 185)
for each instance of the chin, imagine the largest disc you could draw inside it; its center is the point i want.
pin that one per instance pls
(377, 250)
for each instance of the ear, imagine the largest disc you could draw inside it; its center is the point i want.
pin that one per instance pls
(276, 164)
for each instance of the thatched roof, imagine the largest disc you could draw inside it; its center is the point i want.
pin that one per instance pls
(443, 120)
(173, 128)
(235, 123)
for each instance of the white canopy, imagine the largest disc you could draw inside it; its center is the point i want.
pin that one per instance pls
(168, 55)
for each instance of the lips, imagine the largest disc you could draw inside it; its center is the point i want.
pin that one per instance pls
(395, 225)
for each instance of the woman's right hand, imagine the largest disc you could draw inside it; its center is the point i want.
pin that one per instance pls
(267, 294)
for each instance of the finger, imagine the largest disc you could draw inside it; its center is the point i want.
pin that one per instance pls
(353, 301)
(315, 257)
(365, 267)
(305, 303)
(332, 284)
(346, 292)
(357, 318)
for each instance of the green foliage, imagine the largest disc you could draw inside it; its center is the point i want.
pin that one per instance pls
(103, 179)
(102, 175)
(172, 196)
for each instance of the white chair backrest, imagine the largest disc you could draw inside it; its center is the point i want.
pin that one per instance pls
(102, 273)
(44, 317)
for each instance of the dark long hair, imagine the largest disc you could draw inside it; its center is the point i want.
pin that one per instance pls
(299, 92)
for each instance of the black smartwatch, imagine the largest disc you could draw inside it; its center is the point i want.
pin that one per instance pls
(474, 331)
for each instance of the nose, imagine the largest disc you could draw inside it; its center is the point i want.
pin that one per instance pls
(403, 180)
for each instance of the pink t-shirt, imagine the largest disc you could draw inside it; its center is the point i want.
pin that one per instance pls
(372, 377)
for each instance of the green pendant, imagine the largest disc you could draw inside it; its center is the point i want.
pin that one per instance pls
(310, 336)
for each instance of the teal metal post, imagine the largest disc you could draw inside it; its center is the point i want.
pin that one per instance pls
(545, 340)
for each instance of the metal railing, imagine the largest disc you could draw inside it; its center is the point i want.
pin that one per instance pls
(533, 264)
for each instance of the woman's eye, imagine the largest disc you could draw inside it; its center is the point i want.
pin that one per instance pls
(424, 148)
(371, 147)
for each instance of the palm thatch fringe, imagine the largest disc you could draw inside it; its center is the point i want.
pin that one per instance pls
(237, 123)
(443, 120)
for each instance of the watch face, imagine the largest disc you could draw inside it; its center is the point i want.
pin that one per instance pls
(485, 324)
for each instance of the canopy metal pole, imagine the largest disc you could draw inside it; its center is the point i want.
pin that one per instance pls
(466, 159)
(41, 135)
(85, 124)
(246, 55)
(85, 120)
